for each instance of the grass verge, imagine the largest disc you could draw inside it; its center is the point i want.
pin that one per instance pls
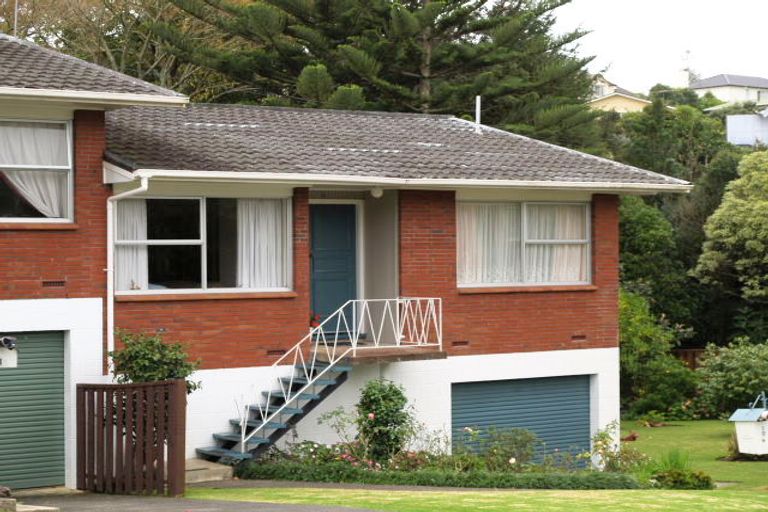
(494, 500)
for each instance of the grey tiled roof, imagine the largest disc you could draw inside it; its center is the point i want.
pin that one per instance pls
(28, 66)
(725, 80)
(333, 142)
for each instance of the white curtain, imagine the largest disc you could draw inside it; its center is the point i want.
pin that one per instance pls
(261, 243)
(36, 144)
(489, 243)
(46, 191)
(131, 261)
(552, 262)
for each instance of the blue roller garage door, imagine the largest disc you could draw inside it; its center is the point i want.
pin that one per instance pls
(557, 409)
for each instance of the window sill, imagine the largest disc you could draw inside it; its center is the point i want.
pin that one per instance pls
(168, 297)
(528, 289)
(38, 226)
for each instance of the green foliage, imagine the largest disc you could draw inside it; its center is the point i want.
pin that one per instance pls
(675, 96)
(737, 235)
(146, 358)
(340, 472)
(314, 84)
(405, 56)
(682, 479)
(346, 97)
(649, 258)
(652, 379)
(612, 457)
(383, 421)
(498, 449)
(730, 377)
(679, 142)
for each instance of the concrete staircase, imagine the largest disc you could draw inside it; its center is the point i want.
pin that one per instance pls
(199, 470)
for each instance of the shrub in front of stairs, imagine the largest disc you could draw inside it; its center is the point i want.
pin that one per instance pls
(147, 358)
(342, 472)
(384, 421)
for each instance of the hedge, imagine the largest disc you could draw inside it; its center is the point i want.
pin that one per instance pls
(342, 472)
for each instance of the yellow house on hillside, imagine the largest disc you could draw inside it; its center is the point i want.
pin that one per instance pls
(609, 97)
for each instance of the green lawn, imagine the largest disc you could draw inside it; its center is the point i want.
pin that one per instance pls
(497, 501)
(705, 442)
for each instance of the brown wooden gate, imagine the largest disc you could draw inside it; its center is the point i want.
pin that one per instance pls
(131, 437)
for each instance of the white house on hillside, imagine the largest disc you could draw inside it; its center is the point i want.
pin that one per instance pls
(747, 129)
(734, 88)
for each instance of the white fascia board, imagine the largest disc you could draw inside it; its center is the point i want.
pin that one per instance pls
(642, 100)
(327, 179)
(114, 174)
(92, 98)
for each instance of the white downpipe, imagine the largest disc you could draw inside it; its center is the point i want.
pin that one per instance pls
(143, 187)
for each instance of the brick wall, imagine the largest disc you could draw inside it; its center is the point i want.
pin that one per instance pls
(238, 332)
(69, 262)
(507, 322)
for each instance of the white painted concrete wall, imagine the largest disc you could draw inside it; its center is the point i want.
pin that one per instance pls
(81, 320)
(747, 129)
(736, 94)
(427, 385)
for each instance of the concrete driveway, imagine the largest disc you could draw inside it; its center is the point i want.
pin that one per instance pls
(104, 502)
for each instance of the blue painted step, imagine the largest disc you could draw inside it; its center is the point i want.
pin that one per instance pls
(222, 453)
(300, 396)
(303, 380)
(320, 366)
(274, 408)
(234, 437)
(254, 423)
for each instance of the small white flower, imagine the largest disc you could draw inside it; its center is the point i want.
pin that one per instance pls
(512, 460)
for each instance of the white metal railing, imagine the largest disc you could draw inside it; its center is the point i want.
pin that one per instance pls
(357, 325)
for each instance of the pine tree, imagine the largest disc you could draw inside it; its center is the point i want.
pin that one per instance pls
(417, 55)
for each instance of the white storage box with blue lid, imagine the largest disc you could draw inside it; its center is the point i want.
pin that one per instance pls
(752, 428)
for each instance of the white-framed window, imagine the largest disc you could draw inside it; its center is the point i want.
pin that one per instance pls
(523, 243)
(174, 244)
(36, 174)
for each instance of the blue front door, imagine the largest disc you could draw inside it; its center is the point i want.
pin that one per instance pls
(334, 257)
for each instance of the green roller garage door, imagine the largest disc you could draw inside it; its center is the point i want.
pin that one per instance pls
(32, 413)
(556, 409)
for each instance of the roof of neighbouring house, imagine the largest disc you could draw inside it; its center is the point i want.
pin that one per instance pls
(388, 147)
(726, 80)
(27, 69)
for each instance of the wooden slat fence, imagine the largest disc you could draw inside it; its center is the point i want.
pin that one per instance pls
(690, 356)
(131, 437)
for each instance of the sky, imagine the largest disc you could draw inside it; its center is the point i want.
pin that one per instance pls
(638, 43)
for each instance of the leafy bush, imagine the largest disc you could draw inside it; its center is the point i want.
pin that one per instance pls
(497, 449)
(730, 377)
(383, 422)
(610, 456)
(682, 479)
(344, 473)
(146, 358)
(652, 379)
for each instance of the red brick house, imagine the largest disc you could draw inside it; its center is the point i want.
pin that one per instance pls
(477, 268)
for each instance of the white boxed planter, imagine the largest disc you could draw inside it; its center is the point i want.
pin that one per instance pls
(751, 430)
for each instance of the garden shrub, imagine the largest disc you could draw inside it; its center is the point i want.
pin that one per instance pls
(146, 358)
(682, 479)
(731, 377)
(340, 472)
(383, 421)
(612, 457)
(496, 449)
(652, 378)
